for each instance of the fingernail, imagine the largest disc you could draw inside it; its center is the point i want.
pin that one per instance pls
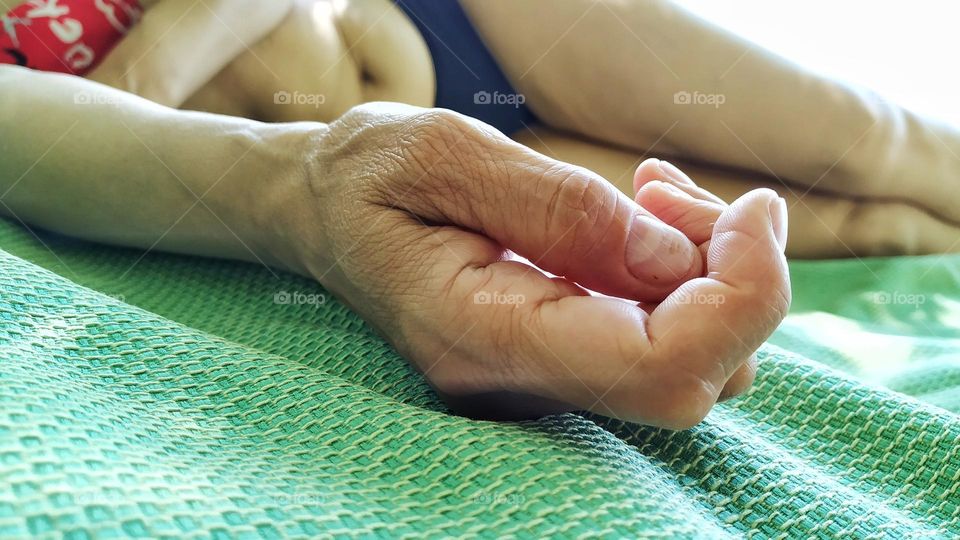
(778, 220)
(658, 252)
(673, 173)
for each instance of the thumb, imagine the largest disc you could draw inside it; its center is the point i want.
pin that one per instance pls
(668, 368)
(565, 219)
(712, 325)
(577, 225)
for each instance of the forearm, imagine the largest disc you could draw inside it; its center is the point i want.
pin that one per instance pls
(181, 44)
(104, 165)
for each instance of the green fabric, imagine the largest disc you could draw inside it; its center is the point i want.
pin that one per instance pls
(161, 395)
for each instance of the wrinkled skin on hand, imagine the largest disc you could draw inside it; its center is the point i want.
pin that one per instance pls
(412, 217)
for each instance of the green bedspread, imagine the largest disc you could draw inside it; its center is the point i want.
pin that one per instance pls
(174, 396)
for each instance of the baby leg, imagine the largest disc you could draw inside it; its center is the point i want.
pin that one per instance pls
(821, 224)
(640, 73)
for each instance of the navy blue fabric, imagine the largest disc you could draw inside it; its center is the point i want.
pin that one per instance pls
(469, 80)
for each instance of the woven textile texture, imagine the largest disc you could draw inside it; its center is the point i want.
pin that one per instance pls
(168, 396)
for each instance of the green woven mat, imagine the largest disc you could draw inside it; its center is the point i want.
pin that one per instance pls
(182, 397)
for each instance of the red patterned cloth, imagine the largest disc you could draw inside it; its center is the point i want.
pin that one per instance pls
(67, 36)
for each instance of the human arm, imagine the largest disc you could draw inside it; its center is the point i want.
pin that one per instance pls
(407, 215)
(181, 44)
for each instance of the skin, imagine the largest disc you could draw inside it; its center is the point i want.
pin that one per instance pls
(407, 214)
(349, 52)
(841, 204)
(822, 225)
(843, 142)
(188, 42)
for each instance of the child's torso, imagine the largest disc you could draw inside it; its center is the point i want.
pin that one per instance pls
(324, 58)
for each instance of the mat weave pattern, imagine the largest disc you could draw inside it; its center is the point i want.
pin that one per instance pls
(168, 396)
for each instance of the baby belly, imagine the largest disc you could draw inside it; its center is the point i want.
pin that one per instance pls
(324, 58)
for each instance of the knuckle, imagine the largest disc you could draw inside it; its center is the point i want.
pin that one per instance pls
(431, 141)
(697, 217)
(742, 379)
(442, 119)
(378, 112)
(685, 420)
(692, 398)
(772, 296)
(438, 129)
(684, 393)
(579, 203)
(404, 157)
(573, 199)
(455, 163)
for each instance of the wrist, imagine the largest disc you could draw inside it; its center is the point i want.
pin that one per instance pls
(285, 219)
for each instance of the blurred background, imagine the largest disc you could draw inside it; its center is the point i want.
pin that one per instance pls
(906, 51)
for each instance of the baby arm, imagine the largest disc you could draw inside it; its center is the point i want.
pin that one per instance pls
(181, 44)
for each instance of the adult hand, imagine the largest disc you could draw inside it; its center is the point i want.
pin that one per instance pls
(412, 216)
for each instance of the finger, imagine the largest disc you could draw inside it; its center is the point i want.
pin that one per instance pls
(713, 324)
(741, 380)
(693, 217)
(668, 369)
(655, 169)
(565, 219)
